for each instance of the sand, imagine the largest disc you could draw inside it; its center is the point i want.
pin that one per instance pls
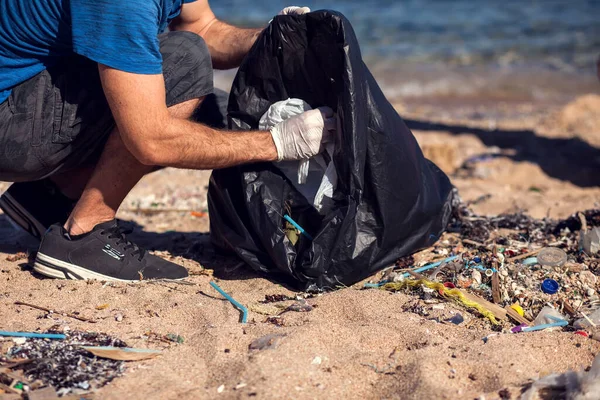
(354, 343)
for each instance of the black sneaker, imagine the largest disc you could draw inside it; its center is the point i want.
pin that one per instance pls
(102, 254)
(34, 206)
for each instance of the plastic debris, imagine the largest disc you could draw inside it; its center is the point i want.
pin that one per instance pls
(456, 319)
(64, 364)
(243, 309)
(266, 342)
(550, 286)
(33, 335)
(518, 309)
(570, 385)
(552, 257)
(591, 321)
(590, 241)
(122, 353)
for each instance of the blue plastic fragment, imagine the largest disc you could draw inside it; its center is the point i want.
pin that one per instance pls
(477, 259)
(530, 261)
(243, 309)
(550, 286)
(33, 335)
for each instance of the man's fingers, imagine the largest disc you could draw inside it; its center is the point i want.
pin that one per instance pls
(330, 124)
(326, 112)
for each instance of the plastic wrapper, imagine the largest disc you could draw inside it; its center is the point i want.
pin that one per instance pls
(388, 201)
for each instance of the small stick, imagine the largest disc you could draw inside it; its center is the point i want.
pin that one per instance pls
(568, 308)
(589, 320)
(474, 243)
(583, 222)
(522, 256)
(70, 315)
(496, 288)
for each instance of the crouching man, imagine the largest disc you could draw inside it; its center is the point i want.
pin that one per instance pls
(93, 96)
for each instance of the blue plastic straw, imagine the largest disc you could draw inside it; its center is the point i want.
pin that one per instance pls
(243, 309)
(431, 266)
(559, 322)
(34, 335)
(291, 221)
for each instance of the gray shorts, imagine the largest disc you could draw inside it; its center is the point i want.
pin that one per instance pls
(60, 120)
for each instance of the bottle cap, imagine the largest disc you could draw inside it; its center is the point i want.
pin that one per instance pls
(518, 309)
(550, 286)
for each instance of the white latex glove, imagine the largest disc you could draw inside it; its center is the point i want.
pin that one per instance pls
(302, 136)
(294, 10)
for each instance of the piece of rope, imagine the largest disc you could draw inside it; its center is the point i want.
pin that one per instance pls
(452, 294)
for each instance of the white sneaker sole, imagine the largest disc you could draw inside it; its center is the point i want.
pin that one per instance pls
(53, 268)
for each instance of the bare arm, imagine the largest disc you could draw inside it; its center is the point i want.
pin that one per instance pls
(155, 138)
(228, 44)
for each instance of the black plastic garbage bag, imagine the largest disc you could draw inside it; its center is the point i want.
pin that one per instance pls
(389, 201)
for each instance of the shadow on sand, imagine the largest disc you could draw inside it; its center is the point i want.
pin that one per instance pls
(571, 160)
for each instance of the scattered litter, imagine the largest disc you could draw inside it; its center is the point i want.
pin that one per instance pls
(275, 298)
(456, 319)
(16, 257)
(590, 241)
(243, 309)
(118, 317)
(299, 306)
(588, 321)
(266, 342)
(454, 294)
(49, 311)
(220, 389)
(122, 353)
(64, 364)
(240, 386)
(47, 393)
(175, 338)
(317, 361)
(33, 335)
(570, 385)
(102, 306)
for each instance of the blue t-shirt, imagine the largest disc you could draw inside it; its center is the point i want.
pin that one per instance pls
(122, 34)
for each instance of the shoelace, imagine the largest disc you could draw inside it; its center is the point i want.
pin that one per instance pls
(118, 232)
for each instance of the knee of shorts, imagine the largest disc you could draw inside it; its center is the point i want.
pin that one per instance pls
(187, 66)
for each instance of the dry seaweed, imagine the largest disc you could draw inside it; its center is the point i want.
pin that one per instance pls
(64, 364)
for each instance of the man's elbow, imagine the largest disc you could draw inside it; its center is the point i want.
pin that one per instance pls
(146, 150)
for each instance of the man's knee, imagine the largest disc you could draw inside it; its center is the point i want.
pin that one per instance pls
(187, 66)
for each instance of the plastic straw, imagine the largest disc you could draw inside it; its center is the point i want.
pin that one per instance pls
(291, 221)
(559, 322)
(34, 335)
(243, 309)
(431, 266)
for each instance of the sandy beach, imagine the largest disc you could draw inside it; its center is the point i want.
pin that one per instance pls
(503, 155)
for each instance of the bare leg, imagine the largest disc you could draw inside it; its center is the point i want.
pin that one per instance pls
(116, 173)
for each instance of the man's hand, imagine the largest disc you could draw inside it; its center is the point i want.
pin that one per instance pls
(228, 44)
(294, 10)
(301, 137)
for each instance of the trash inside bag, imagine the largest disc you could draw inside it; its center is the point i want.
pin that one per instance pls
(323, 176)
(387, 200)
